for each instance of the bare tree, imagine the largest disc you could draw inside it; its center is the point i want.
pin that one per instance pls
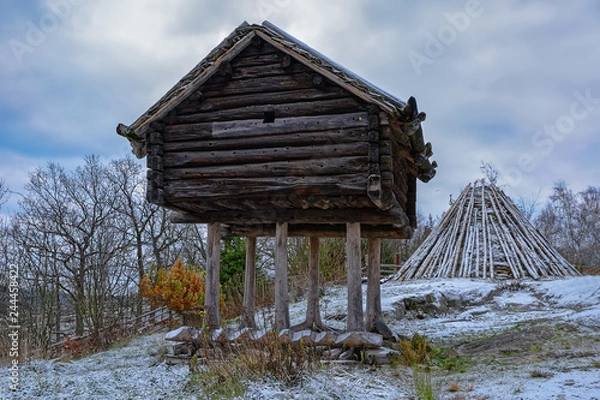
(570, 222)
(589, 222)
(490, 171)
(76, 211)
(4, 194)
(127, 182)
(528, 206)
(405, 247)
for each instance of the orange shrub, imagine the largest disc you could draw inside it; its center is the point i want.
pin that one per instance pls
(179, 288)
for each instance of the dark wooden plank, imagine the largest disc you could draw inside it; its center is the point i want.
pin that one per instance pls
(265, 181)
(267, 69)
(285, 110)
(284, 201)
(248, 60)
(279, 97)
(348, 135)
(220, 157)
(341, 184)
(321, 230)
(312, 167)
(257, 127)
(395, 216)
(190, 131)
(214, 88)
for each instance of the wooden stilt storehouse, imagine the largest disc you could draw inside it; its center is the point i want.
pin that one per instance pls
(267, 137)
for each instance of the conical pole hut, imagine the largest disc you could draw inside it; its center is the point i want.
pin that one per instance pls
(484, 235)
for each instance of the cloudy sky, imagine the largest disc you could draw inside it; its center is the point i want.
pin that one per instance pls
(515, 83)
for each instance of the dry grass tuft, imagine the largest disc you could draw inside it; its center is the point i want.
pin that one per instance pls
(541, 374)
(416, 351)
(589, 270)
(222, 371)
(454, 387)
(462, 396)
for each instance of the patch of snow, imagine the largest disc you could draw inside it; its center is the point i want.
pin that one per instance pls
(480, 308)
(516, 298)
(115, 374)
(518, 384)
(174, 333)
(577, 291)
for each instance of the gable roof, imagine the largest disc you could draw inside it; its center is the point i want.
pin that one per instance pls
(484, 235)
(238, 40)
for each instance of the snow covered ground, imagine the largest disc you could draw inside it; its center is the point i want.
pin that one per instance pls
(524, 340)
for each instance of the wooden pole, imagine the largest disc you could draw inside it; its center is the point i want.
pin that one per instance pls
(250, 283)
(373, 284)
(282, 312)
(355, 320)
(313, 313)
(213, 261)
(374, 315)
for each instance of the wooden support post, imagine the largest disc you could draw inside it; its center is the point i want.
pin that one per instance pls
(313, 313)
(282, 312)
(373, 284)
(249, 283)
(355, 320)
(213, 261)
(374, 315)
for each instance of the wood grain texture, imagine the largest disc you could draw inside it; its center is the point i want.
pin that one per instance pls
(213, 260)
(248, 320)
(355, 321)
(282, 313)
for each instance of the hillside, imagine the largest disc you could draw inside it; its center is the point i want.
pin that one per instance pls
(510, 340)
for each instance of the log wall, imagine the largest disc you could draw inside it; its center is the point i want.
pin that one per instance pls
(265, 131)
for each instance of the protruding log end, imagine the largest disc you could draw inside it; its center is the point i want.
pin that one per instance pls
(138, 143)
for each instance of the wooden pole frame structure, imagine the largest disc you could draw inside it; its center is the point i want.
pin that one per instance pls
(484, 235)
